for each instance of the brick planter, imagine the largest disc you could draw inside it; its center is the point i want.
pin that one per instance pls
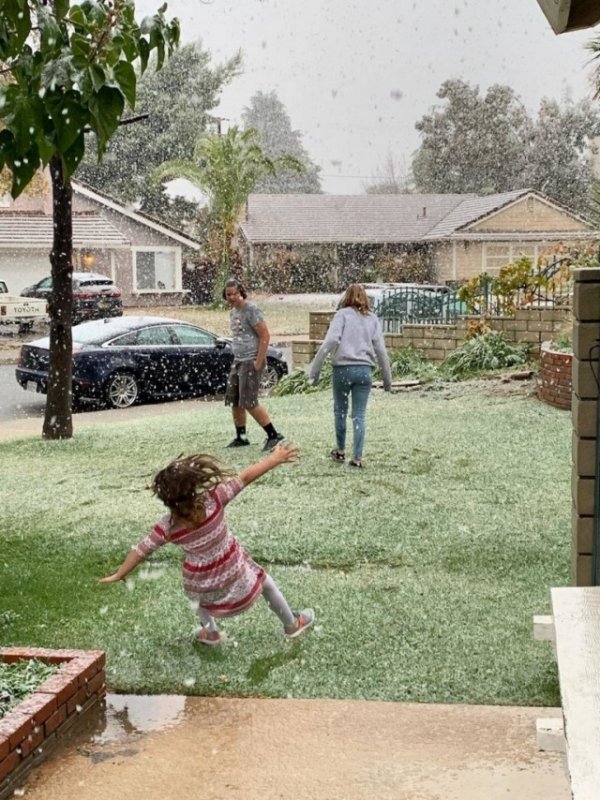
(31, 729)
(555, 377)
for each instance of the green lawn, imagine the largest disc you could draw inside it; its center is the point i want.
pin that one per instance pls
(425, 568)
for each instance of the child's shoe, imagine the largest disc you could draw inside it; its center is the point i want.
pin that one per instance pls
(209, 638)
(304, 620)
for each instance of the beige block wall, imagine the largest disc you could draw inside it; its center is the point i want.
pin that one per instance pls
(529, 215)
(437, 341)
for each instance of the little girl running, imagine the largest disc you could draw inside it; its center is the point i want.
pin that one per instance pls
(218, 575)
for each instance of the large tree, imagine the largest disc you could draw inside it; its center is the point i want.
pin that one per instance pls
(267, 115)
(559, 159)
(489, 143)
(177, 101)
(472, 143)
(70, 70)
(227, 168)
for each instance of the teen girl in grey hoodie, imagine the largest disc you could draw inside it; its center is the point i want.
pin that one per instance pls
(355, 340)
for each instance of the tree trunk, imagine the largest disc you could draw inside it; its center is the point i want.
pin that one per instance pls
(58, 422)
(223, 268)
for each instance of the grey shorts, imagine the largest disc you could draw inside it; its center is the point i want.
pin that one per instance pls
(243, 384)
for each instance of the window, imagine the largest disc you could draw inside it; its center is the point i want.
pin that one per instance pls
(158, 335)
(155, 270)
(499, 254)
(124, 341)
(189, 335)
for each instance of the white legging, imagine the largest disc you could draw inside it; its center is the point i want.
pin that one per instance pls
(275, 600)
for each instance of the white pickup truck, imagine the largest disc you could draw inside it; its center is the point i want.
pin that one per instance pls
(21, 311)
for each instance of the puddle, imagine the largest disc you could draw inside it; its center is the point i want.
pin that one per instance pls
(132, 715)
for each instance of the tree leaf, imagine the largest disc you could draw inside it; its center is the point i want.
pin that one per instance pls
(106, 108)
(126, 78)
(69, 118)
(61, 8)
(72, 157)
(76, 16)
(23, 167)
(97, 76)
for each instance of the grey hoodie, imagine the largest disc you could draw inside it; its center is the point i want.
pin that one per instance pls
(354, 339)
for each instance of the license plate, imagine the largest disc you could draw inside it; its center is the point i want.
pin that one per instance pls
(104, 304)
(31, 386)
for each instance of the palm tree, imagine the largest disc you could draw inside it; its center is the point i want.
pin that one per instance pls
(226, 168)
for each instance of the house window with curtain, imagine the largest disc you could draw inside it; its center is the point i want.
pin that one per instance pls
(155, 271)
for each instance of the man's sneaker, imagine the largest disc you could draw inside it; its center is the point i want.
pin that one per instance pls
(304, 620)
(273, 442)
(238, 443)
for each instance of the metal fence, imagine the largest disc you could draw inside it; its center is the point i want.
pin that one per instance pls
(547, 286)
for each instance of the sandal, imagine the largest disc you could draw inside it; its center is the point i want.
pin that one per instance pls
(337, 455)
(353, 463)
(209, 638)
(304, 620)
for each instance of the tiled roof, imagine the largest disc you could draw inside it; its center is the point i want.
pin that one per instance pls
(112, 203)
(36, 230)
(344, 218)
(473, 208)
(315, 218)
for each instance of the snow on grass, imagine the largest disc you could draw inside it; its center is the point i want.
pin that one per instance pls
(425, 568)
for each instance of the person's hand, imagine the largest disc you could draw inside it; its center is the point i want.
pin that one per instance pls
(114, 578)
(258, 365)
(284, 453)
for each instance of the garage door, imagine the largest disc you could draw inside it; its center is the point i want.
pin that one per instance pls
(21, 269)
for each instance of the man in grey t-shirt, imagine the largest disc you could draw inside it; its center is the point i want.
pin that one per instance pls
(250, 343)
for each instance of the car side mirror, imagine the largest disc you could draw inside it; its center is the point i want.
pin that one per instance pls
(220, 344)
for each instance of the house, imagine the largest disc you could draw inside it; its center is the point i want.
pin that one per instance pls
(456, 236)
(144, 257)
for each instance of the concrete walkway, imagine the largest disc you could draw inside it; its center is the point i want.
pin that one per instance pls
(212, 749)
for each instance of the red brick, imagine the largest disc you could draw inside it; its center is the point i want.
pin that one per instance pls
(96, 683)
(8, 764)
(15, 727)
(39, 706)
(64, 685)
(77, 700)
(32, 741)
(55, 720)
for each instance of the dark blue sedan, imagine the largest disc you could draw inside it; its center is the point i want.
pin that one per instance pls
(126, 360)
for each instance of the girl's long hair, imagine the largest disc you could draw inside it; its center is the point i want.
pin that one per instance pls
(355, 297)
(182, 485)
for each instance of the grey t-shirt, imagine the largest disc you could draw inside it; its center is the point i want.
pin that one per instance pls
(245, 339)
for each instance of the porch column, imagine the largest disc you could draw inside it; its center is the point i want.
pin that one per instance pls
(586, 365)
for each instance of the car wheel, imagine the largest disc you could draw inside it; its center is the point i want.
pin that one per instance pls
(122, 390)
(270, 378)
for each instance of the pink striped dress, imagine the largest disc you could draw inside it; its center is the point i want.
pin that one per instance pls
(217, 572)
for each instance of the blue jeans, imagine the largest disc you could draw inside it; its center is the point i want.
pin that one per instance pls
(355, 380)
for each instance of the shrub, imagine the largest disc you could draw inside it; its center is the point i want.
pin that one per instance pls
(18, 680)
(484, 353)
(408, 362)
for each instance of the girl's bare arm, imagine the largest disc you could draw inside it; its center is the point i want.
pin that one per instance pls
(130, 563)
(282, 454)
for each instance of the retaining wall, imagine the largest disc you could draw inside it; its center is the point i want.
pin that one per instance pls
(437, 341)
(31, 730)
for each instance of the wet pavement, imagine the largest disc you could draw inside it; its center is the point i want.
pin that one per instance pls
(158, 748)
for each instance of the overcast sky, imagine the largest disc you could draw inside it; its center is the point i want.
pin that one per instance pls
(355, 75)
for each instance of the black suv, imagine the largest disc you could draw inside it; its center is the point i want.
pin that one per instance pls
(94, 296)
